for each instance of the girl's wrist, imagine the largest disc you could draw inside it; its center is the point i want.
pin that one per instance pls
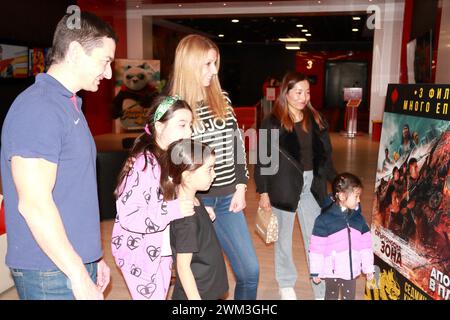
(241, 186)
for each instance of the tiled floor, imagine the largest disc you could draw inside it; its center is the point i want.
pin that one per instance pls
(358, 156)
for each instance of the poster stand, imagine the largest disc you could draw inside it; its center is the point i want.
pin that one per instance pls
(352, 117)
(353, 98)
(410, 215)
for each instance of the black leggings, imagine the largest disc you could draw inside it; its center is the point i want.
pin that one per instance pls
(346, 287)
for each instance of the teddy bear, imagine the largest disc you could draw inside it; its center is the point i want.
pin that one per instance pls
(135, 96)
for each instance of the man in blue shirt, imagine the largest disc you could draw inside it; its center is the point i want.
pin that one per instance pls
(48, 160)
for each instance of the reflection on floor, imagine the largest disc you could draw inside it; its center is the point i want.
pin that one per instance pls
(358, 156)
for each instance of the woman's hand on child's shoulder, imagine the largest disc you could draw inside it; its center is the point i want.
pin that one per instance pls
(187, 207)
(211, 213)
(369, 276)
(316, 280)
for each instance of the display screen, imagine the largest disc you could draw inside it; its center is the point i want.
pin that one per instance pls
(13, 61)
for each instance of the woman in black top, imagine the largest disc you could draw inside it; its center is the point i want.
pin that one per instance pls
(201, 271)
(295, 178)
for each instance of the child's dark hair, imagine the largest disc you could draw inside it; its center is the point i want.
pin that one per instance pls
(146, 142)
(345, 182)
(182, 155)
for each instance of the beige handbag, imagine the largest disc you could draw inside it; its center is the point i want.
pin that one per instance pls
(267, 225)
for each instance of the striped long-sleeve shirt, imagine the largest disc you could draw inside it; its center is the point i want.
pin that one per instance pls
(226, 139)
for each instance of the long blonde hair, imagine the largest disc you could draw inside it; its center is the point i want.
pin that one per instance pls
(190, 55)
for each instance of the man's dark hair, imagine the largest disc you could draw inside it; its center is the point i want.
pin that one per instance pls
(89, 35)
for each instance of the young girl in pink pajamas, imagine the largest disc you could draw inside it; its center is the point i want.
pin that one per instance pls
(141, 237)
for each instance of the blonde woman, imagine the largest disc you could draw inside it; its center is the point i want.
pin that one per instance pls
(195, 79)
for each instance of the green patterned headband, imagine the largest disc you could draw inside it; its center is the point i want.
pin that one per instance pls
(164, 106)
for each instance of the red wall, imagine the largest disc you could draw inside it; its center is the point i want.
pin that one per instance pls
(317, 69)
(437, 29)
(96, 105)
(406, 37)
(407, 20)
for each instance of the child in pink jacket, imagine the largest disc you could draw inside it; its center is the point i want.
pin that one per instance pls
(141, 236)
(341, 243)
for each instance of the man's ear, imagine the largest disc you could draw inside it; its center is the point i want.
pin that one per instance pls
(74, 52)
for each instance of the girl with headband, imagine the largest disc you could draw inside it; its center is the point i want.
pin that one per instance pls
(141, 237)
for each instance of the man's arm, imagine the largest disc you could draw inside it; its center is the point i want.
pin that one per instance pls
(35, 179)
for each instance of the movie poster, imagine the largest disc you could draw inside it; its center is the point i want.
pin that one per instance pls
(411, 211)
(137, 84)
(38, 61)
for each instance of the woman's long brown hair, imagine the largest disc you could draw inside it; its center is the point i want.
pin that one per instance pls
(146, 143)
(281, 109)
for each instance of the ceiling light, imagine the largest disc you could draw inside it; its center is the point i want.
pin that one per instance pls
(356, 18)
(304, 30)
(355, 29)
(239, 41)
(292, 46)
(308, 34)
(235, 20)
(270, 3)
(180, 5)
(292, 39)
(221, 35)
(299, 25)
(319, 2)
(137, 6)
(224, 4)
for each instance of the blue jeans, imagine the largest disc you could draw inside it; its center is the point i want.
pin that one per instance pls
(232, 232)
(307, 212)
(46, 285)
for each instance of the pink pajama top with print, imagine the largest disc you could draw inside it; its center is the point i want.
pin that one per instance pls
(140, 240)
